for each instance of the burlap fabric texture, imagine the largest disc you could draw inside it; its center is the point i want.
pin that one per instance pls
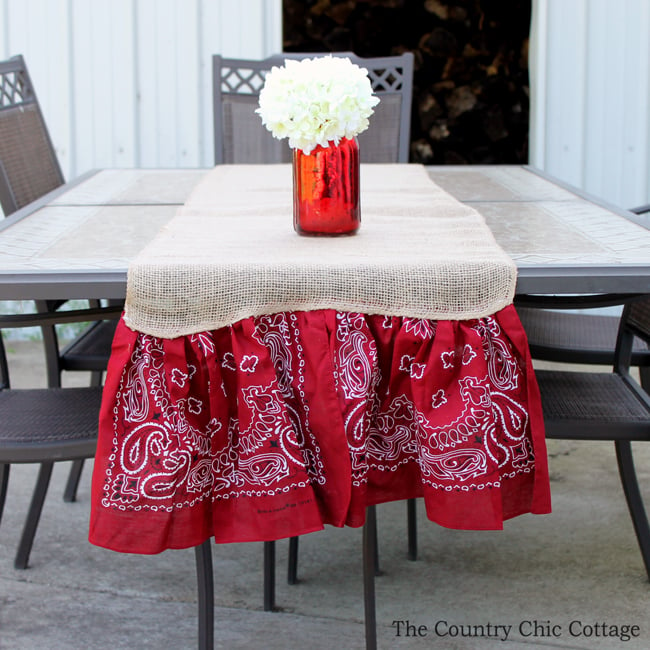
(231, 253)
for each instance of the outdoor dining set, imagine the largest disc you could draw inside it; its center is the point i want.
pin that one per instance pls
(250, 383)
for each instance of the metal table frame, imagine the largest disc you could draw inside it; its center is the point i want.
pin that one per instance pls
(533, 278)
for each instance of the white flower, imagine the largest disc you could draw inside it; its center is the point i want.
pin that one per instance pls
(316, 101)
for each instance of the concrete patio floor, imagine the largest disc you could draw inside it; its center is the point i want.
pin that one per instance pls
(558, 581)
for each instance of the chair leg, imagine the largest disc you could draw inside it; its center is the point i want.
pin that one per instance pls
(369, 571)
(644, 375)
(412, 528)
(269, 576)
(634, 499)
(33, 516)
(70, 493)
(292, 569)
(205, 582)
(4, 482)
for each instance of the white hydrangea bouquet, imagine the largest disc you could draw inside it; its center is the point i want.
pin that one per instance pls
(316, 101)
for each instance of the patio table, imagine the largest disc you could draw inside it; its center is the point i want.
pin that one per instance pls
(78, 243)
(78, 240)
(263, 384)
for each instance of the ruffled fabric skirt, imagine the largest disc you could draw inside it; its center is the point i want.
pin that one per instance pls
(280, 424)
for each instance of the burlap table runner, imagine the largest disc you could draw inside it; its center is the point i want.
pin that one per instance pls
(231, 252)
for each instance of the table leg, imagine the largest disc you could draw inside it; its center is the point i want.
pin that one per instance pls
(292, 569)
(269, 576)
(411, 517)
(369, 568)
(204, 577)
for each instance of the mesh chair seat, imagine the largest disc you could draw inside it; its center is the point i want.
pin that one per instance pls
(575, 338)
(44, 426)
(48, 424)
(590, 398)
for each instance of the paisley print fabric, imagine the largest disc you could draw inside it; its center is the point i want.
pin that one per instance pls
(278, 425)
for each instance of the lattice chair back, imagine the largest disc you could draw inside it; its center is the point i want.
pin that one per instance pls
(28, 164)
(240, 137)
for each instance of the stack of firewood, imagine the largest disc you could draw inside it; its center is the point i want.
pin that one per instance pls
(471, 89)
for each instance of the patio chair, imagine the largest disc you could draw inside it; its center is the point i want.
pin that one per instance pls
(89, 351)
(607, 406)
(29, 169)
(240, 137)
(48, 425)
(583, 337)
(44, 425)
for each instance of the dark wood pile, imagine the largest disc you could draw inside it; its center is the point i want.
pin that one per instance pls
(471, 91)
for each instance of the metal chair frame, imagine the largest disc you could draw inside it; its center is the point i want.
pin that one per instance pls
(29, 169)
(30, 435)
(607, 406)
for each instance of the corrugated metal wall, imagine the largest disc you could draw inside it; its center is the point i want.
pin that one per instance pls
(126, 83)
(590, 104)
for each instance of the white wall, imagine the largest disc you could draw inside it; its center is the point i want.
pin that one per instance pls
(126, 83)
(590, 96)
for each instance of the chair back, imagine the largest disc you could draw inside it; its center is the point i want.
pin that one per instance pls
(635, 323)
(240, 136)
(638, 318)
(28, 164)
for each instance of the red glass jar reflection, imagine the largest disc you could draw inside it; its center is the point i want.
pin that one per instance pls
(326, 189)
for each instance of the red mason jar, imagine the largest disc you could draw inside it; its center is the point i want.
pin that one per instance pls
(326, 189)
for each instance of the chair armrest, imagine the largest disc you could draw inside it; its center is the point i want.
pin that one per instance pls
(588, 301)
(112, 312)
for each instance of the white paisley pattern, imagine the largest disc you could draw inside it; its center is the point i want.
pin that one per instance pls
(315, 404)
